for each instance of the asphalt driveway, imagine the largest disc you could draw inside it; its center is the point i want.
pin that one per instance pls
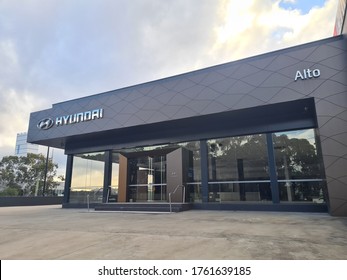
(50, 232)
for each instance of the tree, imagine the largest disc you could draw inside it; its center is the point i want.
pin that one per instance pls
(26, 174)
(298, 159)
(245, 158)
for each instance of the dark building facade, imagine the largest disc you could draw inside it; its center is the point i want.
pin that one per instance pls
(267, 132)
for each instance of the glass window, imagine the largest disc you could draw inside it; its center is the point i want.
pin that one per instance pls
(147, 178)
(113, 190)
(194, 171)
(299, 166)
(238, 169)
(87, 178)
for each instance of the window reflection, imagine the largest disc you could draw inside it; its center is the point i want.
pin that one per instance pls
(299, 166)
(112, 195)
(87, 178)
(147, 178)
(194, 172)
(238, 169)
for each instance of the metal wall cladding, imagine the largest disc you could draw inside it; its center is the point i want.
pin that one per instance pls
(261, 80)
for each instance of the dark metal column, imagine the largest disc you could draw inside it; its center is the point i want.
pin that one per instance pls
(204, 170)
(241, 174)
(107, 175)
(45, 175)
(68, 177)
(272, 169)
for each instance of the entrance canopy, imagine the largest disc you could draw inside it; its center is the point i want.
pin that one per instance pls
(276, 117)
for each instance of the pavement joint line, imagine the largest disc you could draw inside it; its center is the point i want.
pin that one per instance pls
(131, 212)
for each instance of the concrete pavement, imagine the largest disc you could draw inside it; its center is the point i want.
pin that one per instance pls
(50, 232)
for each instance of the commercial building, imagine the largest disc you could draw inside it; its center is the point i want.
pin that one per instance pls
(23, 147)
(340, 22)
(267, 132)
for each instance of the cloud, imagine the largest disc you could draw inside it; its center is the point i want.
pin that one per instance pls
(262, 26)
(308, 134)
(15, 107)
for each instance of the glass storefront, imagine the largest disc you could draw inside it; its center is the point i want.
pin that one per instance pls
(299, 166)
(238, 170)
(147, 178)
(87, 178)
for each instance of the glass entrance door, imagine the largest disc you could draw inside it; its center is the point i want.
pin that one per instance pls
(147, 178)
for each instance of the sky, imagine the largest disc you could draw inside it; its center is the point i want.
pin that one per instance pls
(56, 50)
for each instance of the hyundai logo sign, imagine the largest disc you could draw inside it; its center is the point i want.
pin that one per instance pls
(91, 115)
(45, 124)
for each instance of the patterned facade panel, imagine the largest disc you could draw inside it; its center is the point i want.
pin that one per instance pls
(331, 107)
